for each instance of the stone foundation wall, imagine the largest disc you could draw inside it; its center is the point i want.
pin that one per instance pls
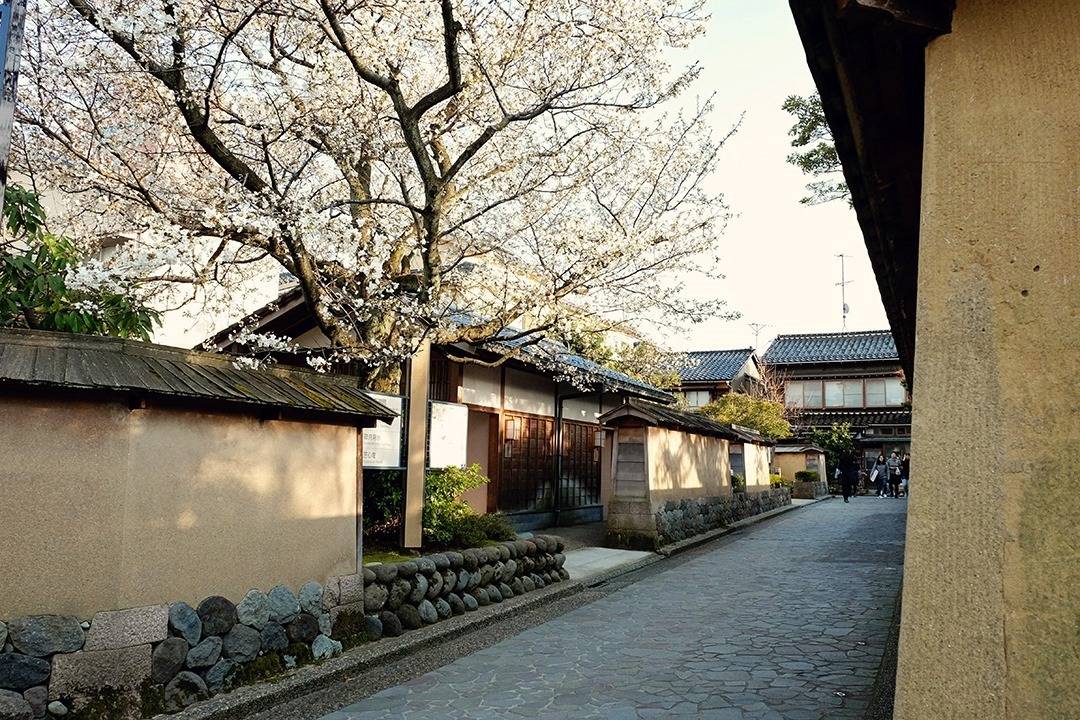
(680, 519)
(162, 658)
(810, 490)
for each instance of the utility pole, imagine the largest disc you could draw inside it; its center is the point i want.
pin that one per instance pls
(12, 20)
(844, 282)
(757, 328)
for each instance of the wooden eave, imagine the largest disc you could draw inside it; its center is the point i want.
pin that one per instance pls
(867, 60)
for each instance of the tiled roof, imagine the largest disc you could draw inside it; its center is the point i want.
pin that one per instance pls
(550, 353)
(714, 365)
(832, 347)
(672, 417)
(857, 418)
(31, 358)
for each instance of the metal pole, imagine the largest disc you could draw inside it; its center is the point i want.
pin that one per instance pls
(12, 21)
(843, 291)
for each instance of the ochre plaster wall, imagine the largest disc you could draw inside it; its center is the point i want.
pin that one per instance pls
(685, 465)
(107, 508)
(757, 467)
(991, 608)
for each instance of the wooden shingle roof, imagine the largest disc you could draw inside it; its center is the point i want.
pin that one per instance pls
(37, 359)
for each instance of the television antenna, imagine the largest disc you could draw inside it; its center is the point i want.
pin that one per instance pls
(844, 282)
(757, 328)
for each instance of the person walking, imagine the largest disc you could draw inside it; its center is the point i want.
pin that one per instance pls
(880, 475)
(894, 474)
(905, 473)
(849, 475)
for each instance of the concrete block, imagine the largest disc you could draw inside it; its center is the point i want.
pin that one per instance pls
(85, 672)
(127, 628)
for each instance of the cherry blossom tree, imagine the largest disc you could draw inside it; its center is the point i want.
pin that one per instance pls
(426, 169)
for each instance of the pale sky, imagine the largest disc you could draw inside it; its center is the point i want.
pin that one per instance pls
(779, 256)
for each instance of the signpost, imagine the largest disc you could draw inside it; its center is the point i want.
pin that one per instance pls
(12, 20)
(382, 443)
(449, 433)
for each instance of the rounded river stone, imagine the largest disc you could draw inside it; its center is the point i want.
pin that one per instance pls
(311, 597)
(517, 586)
(185, 689)
(20, 672)
(218, 615)
(455, 559)
(427, 611)
(506, 591)
(410, 617)
(493, 594)
(375, 597)
(442, 607)
(419, 591)
(43, 635)
(435, 586)
(457, 606)
(168, 659)
(469, 602)
(481, 596)
(391, 625)
(462, 580)
(399, 591)
(441, 561)
(253, 609)
(373, 627)
(425, 565)
(14, 706)
(205, 654)
(242, 644)
(407, 569)
(385, 573)
(304, 628)
(184, 622)
(219, 677)
(283, 604)
(272, 637)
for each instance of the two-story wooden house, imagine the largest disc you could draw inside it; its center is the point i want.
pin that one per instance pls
(708, 375)
(852, 377)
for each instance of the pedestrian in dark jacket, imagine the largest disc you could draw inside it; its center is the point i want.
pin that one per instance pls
(849, 476)
(894, 474)
(905, 472)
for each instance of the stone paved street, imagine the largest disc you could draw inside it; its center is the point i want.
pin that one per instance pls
(787, 619)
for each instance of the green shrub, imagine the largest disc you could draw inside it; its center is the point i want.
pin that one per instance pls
(738, 483)
(780, 481)
(476, 530)
(442, 504)
(383, 504)
(810, 476)
(350, 628)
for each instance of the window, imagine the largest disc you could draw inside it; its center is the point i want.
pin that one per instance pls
(894, 391)
(793, 394)
(853, 393)
(697, 398)
(875, 392)
(834, 394)
(803, 393)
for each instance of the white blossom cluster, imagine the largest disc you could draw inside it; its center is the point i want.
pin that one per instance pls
(529, 173)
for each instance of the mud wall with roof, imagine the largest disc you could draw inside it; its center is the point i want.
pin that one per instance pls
(108, 507)
(991, 605)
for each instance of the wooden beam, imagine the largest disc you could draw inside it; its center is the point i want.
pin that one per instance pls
(926, 17)
(419, 381)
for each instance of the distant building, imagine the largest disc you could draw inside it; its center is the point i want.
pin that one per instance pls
(852, 377)
(711, 374)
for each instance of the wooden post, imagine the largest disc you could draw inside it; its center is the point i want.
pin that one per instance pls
(359, 499)
(419, 380)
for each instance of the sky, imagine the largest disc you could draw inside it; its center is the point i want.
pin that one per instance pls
(778, 256)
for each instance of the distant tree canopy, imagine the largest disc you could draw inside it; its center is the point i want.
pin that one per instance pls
(40, 280)
(816, 153)
(641, 360)
(837, 441)
(765, 416)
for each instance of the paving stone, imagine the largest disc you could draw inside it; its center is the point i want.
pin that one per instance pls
(125, 628)
(81, 673)
(767, 626)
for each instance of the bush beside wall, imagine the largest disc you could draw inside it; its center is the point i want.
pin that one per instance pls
(143, 661)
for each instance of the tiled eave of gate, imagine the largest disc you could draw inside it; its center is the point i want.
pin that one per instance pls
(650, 413)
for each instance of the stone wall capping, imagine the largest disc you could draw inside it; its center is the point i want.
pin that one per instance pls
(116, 629)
